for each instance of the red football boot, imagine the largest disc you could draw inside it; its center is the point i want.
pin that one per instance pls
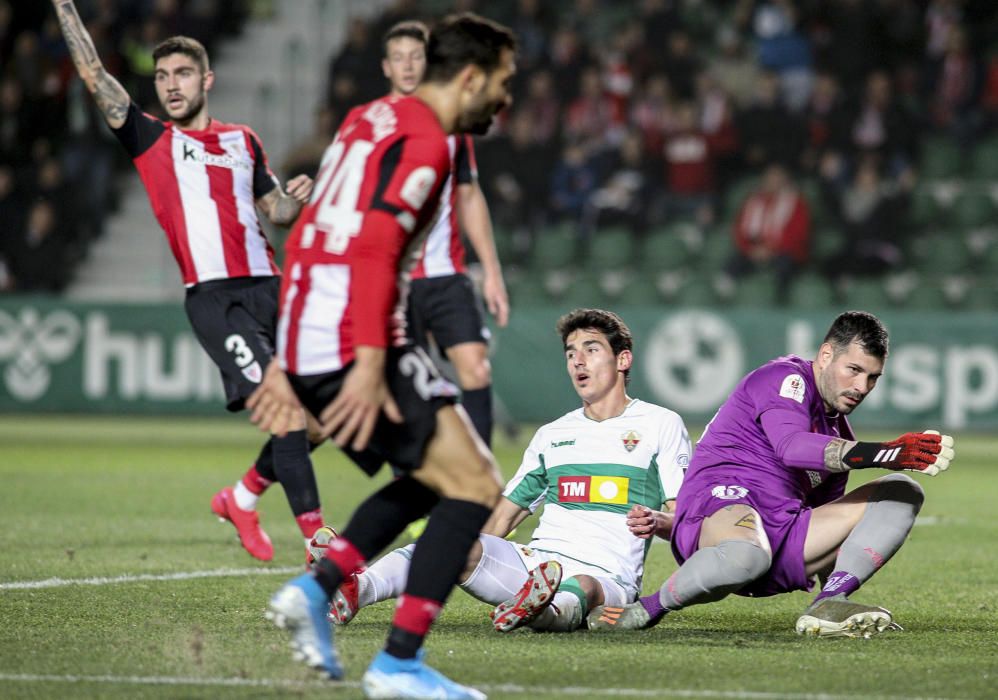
(246, 522)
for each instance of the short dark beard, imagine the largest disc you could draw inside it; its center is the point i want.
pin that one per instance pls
(196, 107)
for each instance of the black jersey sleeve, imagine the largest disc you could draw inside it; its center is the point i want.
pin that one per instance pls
(465, 167)
(139, 132)
(264, 180)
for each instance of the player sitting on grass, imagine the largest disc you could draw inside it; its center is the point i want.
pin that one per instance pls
(764, 508)
(600, 471)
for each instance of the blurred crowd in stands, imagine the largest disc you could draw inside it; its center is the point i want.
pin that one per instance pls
(57, 157)
(767, 122)
(753, 119)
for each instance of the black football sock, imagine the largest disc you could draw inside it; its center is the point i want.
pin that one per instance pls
(377, 522)
(439, 558)
(478, 404)
(293, 467)
(265, 461)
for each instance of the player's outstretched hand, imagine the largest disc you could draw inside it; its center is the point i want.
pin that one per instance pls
(352, 416)
(299, 188)
(928, 453)
(274, 406)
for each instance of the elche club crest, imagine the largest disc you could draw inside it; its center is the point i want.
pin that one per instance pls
(630, 439)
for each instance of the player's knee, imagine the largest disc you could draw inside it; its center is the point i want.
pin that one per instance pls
(744, 561)
(475, 374)
(900, 488)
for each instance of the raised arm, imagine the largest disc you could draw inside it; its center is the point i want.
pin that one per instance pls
(112, 99)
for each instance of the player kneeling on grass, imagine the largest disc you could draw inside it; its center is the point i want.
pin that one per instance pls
(602, 472)
(763, 508)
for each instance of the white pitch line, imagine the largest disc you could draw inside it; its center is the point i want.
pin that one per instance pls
(513, 689)
(134, 578)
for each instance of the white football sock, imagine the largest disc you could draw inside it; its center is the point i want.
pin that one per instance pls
(564, 614)
(245, 499)
(384, 578)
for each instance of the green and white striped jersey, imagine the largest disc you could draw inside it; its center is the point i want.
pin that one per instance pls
(589, 473)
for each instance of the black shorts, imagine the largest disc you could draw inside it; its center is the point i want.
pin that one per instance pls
(419, 390)
(235, 320)
(446, 309)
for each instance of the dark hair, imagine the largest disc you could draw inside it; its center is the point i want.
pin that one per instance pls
(410, 29)
(618, 335)
(861, 327)
(185, 45)
(460, 40)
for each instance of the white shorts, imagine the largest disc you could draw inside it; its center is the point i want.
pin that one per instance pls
(504, 566)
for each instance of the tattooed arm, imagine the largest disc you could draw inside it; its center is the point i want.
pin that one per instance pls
(282, 209)
(112, 99)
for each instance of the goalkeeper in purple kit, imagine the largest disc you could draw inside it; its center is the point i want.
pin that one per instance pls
(764, 508)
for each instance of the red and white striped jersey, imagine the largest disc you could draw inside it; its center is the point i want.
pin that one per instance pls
(348, 256)
(203, 186)
(443, 252)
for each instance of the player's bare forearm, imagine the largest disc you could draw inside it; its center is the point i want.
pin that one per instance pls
(473, 212)
(281, 209)
(505, 518)
(473, 215)
(111, 97)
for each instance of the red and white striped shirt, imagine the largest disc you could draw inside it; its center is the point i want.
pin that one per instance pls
(443, 252)
(348, 256)
(203, 187)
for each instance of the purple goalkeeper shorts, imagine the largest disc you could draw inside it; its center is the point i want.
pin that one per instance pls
(785, 521)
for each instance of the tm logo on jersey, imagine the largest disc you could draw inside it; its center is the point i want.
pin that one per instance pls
(593, 489)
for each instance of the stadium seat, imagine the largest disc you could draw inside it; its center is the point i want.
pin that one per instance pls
(668, 247)
(611, 247)
(505, 245)
(583, 290)
(925, 210)
(555, 247)
(984, 159)
(697, 292)
(526, 289)
(867, 294)
(941, 253)
(811, 291)
(737, 193)
(941, 158)
(640, 290)
(826, 243)
(756, 290)
(820, 216)
(718, 247)
(927, 295)
(973, 207)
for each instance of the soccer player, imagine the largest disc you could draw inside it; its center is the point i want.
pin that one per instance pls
(348, 360)
(602, 471)
(442, 306)
(203, 178)
(764, 506)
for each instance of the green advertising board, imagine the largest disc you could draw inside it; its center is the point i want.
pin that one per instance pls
(57, 356)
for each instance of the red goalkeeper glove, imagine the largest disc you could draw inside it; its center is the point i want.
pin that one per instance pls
(928, 453)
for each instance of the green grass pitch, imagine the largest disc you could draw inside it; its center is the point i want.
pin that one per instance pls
(109, 497)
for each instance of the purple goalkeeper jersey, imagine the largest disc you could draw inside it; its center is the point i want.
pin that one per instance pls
(770, 436)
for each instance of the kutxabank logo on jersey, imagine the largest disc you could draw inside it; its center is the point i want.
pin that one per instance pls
(29, 343)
